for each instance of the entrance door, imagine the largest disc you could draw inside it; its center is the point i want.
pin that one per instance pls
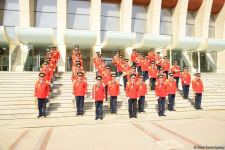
(35, 59)
(4, 60)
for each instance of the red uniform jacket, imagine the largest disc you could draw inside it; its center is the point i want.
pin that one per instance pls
(158, 60)
(152, 72)
(151, 56)
(79, 87)
(185, 78)
(113, 88)
(41, 89)
(165, 65)
(134, 55)
(106, 77)
(98, 92)
(144, 65)
(161, 89)
(132, 89)
(176, 71)
(171, 86)
(142, 89)
(197, 86)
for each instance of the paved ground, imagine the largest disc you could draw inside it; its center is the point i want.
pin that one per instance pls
(178, 130)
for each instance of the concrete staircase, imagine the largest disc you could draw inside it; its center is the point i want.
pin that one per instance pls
(17, 102)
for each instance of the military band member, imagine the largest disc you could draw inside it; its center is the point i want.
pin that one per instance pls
(161, 93)
(138, 63)
(166, 65)
(142, 91)
(132, 94)
(171, 90)
(134, 56)
(113, 91)
(144, 68)
(151, 55)
(198, 89)
(158, 60)
(185, 80)
(41, 92)
(106, 75)
(125, 69)
(152, 72)
(79, 91)
(98, 94)
(176, 72)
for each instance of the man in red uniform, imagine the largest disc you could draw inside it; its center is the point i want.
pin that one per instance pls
(161, 93)
(198, 88)
(134, 56)
(142, 91)
(41, 91)
(98, 94)
(151, 55)
(144, 68)
(106, 75)
(166, 65)
(176, 72)
(138, 62)
(171, 90)
(113, 90)
(125, 68)
(185, 80)
(79, 91)
(132, 94)
(152, 72)
(158, 60)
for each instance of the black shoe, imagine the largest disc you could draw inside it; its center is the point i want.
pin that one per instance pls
(135, 116)
(130, 116)
(159, 114)
(101, 118)
(173, 110)
(39, 116)
(45, 115)
(200, 108)
(143, 111)
(96, 118)
(163, 115)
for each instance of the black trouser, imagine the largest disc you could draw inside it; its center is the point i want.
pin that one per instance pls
(113, 104)
(98, 109)
(106, 92)
(161, 105)
(152, 82)
(166, 72)
(171, 98)
(198, 99)
(186, 91)
(80, 104)
(177, 81)
(125, 82)
(42, 106)
(119, 73)
(134, 64)
(145, 75)
(139, 70)
(141, 103)
(132, 104)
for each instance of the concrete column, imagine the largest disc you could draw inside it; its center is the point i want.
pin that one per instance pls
(153, 17)
(12, 48)
(26, 13)
(202, 19)
(95, 21)
(21, 57)
(61, 26)
(126, 15)
(179, 19)
(220, 34)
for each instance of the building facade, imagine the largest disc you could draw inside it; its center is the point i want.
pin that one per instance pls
(190, 31)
